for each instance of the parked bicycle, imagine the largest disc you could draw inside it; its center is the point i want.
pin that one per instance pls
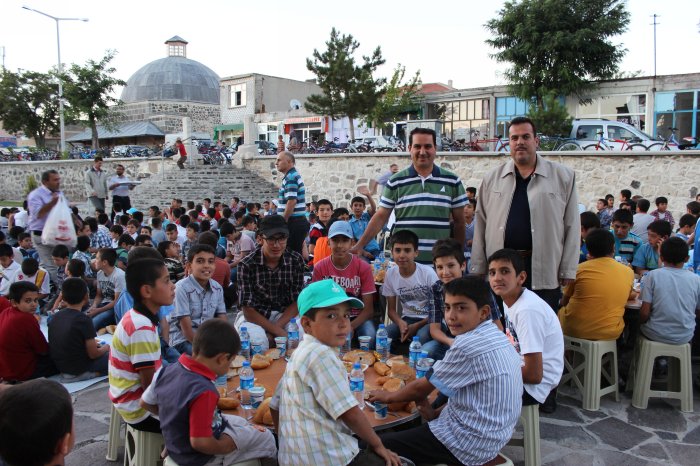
(672, 143)
(558, 143)
(632, 144)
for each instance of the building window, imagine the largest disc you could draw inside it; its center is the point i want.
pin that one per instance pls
(237, 95)
(268, 132)
(176, 50)
(508, 108)
(627, 108)
(463, 117)
(677, 110)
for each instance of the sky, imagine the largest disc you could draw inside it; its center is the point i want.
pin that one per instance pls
(443, 39)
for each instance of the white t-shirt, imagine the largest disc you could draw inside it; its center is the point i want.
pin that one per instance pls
(533, 327)
(414, 292)
(7, 274)
(111, 284)
(41, 279)
(21, 218)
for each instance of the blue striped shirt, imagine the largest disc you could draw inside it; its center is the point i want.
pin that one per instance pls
(292, 188)
(481, 375)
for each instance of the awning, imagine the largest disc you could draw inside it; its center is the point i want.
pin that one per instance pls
(292, 121)
(120, 130)
(237, 128)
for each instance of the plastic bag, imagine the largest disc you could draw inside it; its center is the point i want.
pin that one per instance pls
(59, 228)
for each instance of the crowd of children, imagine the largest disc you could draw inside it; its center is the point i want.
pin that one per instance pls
(165, 279)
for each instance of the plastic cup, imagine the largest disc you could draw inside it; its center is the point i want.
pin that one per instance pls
(281, 344)
(381, 410)
(257, 395)
(364, 342)
(255, 348)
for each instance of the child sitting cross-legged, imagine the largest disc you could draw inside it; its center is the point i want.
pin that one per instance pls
(531, 326)
(184, 397)
(480, 374)
(318, 413)
(72, 342)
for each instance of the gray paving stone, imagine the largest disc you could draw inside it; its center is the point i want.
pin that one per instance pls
(683, 454)
(616, 458)
(94, 400)
(618, 434)
(651, 450)
(92, 454)
(666, 435)
(693, 436)
(659, 415)
(567, 436)
(87, 429)
(574, 459)
(592, 414)
(564, 413)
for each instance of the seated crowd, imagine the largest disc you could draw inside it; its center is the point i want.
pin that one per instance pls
(165, 283)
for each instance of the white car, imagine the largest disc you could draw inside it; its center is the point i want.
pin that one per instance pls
(587, 132)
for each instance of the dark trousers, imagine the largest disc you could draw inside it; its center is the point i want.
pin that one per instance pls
(298, 230)
(124, 201)
(551, 297)
(418, 445)
(150, 424)
(367, 458)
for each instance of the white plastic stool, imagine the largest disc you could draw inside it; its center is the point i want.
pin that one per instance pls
(505, 462)
(142, 448)
(588, 374)
(169, 462)
(114, 439)
(530, 419)
(679, 381)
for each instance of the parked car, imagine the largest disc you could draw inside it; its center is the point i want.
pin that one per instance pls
(586, 131)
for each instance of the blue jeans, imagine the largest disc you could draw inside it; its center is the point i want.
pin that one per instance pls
(184, 347)
(169, 355)
(434, 348)
(393, 331)
(366, 329)
(103, 319)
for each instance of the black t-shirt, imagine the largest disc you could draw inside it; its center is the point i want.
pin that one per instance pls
(68, 331)
(518, 227)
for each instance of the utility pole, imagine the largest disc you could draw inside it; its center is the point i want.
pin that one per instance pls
(655, 24)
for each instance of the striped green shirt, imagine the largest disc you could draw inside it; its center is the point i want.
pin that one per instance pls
(424, 205)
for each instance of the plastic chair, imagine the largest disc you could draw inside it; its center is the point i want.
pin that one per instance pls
(503, 460)
(530, 419)
(169, 462)
(679, 383)
(142, 448)
(587, 374)
(114, 439)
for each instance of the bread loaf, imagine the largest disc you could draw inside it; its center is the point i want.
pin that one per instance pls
(403, 371)
(259, 361)
(381, 369)
(228, 403)
(262, 411)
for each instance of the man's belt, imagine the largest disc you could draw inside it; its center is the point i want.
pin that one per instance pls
(37, 232)
(524, 253)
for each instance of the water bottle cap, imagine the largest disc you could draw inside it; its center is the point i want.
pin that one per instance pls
(293, 321)
(424, 354)
(246, 364)
(415, 338)
(381, 325)
(244, 329)
(356, 366)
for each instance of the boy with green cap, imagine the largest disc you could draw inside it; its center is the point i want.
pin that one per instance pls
(317, 411)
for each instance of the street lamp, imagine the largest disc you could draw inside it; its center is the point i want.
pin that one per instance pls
(60, 70)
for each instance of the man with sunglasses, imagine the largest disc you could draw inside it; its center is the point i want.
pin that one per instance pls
(269, 282)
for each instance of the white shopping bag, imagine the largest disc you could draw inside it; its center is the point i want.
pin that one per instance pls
(59, 228)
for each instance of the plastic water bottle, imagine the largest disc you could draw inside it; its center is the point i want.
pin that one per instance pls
(346, 345)
(220, 382)
(422, 364)
(247, 382)
(382, 344)
(245, 343)
(414, 351)
(292, 337)
(641, 281)
(357, 384)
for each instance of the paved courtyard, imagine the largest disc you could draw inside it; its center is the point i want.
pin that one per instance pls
(618, 434)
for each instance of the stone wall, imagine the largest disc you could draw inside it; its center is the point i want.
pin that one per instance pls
(168, 115)
(676, 175)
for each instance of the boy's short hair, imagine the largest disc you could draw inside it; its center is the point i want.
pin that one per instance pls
(589, 220)
(34, 417)
(74, 290)
(226, 229)
(138, 216)
(109, 255)
(448, 247)
(643, 205)
(473, 288)
(102, 219)
(141, 239)
(197, 249)
(92, 223)
(171, 227)
(125, 239)
(30, 266)
(355, 199)
(660, 200)
(143, 252)
(60, 250)
(124, 220)
(600, 242)
(116, 206)
(404, 237)
(660, 227)
(239, 215)
(471, 189)
(687, 220)
(147, 228)
(626, 193)
(6, 251)
(509, 255)
(209, 238)
(134, 222)
(142, 272)
(693, 207)
(22, 236)
(321, 202)
(473, 201)
(15, 231)
(163, 247)
(226, 212)
(247, 220)
(204, 225)
(156, 222)
(214, 337)
(19, 289)
(75, 267)
(193, 226)
(340, 211)
(674, 250)
(623, 216)
(184, 220)
(118, 229)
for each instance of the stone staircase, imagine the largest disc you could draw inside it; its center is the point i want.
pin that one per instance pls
(219, 183)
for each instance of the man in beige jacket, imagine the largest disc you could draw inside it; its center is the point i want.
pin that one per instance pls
(529, 204)
(96, 184)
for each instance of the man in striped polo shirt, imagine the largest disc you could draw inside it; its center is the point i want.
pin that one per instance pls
(291, 201)
(423, 197)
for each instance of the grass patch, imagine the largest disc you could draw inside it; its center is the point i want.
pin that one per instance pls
(6, 203)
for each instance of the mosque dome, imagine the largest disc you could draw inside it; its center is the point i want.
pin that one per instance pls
(173, 78)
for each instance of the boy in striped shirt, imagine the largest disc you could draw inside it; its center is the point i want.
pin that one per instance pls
(135, 352)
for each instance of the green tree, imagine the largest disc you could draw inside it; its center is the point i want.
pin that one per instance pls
(398, 97)
(88, 88)
(348, 89)
(29, 104)
(551, 118)
(558, 46)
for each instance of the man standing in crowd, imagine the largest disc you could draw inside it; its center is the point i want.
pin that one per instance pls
(40, 202)
(529, 204)
(291, 201)
(96, 184)
(423, 196)
(120, 188)
(383, 178)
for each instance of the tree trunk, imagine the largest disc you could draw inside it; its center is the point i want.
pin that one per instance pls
(93, 127)
(352, 127)
(40, 139)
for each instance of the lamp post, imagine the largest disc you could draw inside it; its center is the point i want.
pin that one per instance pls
(60, 70)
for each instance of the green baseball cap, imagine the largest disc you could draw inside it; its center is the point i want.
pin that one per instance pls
(325, 293)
